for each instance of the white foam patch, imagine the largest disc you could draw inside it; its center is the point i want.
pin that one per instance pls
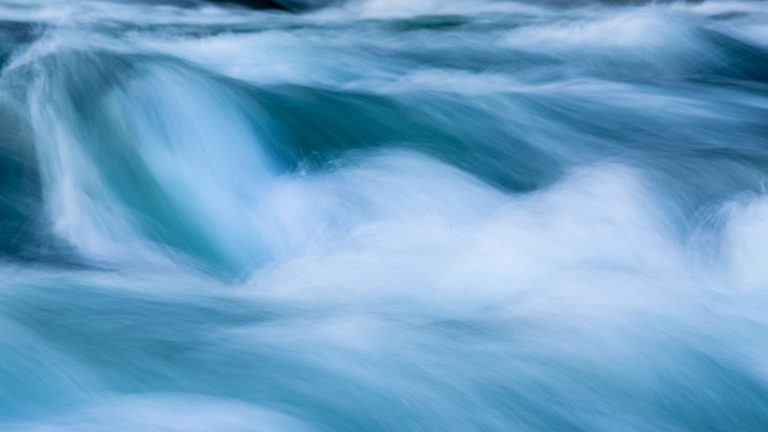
(416, 8)
(67, 13)
(274, 56)
(636, 29)
(412, 228)
(745, 241)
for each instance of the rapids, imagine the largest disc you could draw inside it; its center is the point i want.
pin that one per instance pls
(384, 215)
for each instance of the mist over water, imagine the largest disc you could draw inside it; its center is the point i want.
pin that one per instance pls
(384, 215)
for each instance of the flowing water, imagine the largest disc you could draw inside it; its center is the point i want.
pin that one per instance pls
(384, 215)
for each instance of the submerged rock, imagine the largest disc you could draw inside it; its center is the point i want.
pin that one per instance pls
(289, 5)
(283, 5)
(255, 4)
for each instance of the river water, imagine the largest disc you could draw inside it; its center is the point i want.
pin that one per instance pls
(384, 215)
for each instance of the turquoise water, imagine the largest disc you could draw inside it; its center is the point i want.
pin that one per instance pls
(384, 215)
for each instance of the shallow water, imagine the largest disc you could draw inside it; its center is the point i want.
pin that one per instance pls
(384, 215)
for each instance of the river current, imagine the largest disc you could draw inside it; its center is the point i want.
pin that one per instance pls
(384, 215)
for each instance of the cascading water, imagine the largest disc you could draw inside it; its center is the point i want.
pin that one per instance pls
(383, 215)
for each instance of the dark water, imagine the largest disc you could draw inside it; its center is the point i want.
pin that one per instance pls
(384, 215)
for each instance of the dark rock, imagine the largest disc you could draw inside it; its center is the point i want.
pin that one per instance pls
(287, 5)
(256, 4)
